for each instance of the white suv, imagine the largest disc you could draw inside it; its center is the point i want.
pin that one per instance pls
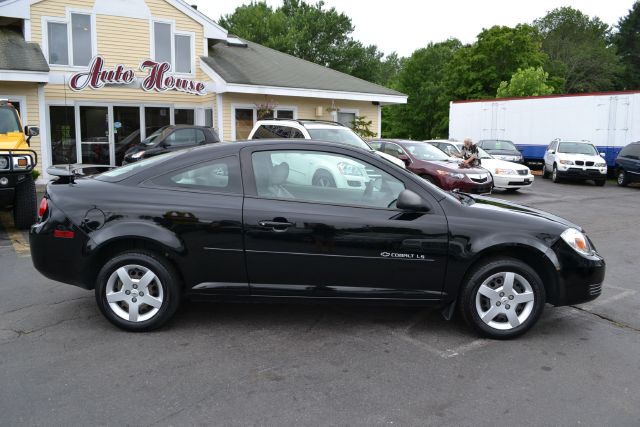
(317, 130)
(578, 160)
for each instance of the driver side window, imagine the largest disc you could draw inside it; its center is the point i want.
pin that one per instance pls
(393, 149)
(312, 176)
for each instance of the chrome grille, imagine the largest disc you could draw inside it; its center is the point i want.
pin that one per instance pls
(589, 163)
(579, 163)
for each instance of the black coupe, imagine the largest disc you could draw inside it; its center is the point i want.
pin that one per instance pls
(249, 221)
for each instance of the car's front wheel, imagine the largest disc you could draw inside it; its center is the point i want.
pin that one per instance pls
(545, 172)
(623, 181)
(502, 298)
(554, 174)
(323, 178)
(138, 291)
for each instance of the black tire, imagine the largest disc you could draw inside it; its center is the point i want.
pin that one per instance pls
(169, 281)
(322, 178)
(600, 182)
(511, 190)
(545, 172)
(623, 179)
(554, 175)
(492, 267)
(25, 204)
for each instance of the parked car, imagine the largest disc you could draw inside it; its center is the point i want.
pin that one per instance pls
(508, 176)
(170, 138)
(213, 222)
(501, 149)
(628, 164)
(577, 160)
(449, 147)
(319, 130)
(435, 166)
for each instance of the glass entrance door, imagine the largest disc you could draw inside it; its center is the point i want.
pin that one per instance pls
(155, 118)
(94, 135)
(126, 130)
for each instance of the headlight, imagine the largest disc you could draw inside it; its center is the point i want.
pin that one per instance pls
(349, 169)
(505, 172)
(137, 155)
(455, 175)
(566, 162)
(601, 165)
(4, 163)
(577, 240)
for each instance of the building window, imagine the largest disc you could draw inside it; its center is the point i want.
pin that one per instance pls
(244, 122)
(183, 116)
(162, 40)
(174, 48)
(62, 124)
(208, 117)
(183, 54)
(284, 114)
(78, 35)
(346, 118)
(155, 118)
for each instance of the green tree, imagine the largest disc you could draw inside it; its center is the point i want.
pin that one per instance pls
(422, 78)
(477, 70)
(526, 82)
(627, 40)
(362, 127)
(307, 31)
(580, 57)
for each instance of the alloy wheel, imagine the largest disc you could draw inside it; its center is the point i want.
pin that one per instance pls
(134, 293)
(505, 300)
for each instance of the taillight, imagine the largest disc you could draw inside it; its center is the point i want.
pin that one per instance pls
(44, 205)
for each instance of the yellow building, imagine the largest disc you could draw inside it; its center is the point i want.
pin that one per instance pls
(99, 75)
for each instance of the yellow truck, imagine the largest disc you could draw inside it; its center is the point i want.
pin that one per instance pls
(17, 160)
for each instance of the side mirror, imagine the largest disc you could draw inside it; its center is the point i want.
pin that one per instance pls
(410, 201)
(603, 154)
(31, 130)
(552, 152)
(404, 158)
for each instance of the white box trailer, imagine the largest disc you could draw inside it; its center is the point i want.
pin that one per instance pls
(609, 120)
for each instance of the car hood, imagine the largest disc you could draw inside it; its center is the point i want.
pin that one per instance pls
(491, 203)
(12, 141)
(392, 159)
(453, 166)
(492, 164)
(585, 157)
(503, 152)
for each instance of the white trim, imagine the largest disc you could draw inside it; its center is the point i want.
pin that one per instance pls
(24, 76)
(379, 121)
(219, 85)
(219, 113)
(211, 29)
(26, 29)
(15, 9)
(22, 99)
(152, 48)
(192, 53)
(45, 20)
(45, 155)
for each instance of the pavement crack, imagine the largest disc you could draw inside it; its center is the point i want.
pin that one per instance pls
(608, 319)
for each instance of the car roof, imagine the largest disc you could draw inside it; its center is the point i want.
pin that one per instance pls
(576, 141)
(310, 123)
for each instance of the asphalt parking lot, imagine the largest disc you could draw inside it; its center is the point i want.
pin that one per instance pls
(61, 363)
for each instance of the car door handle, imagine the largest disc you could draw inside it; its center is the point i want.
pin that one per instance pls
(276, 225)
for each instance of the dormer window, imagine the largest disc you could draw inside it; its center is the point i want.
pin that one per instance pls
(70, 41)
(173, 47)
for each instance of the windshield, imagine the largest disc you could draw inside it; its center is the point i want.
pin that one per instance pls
(483, 154)
(339, 135)
(123, 172)
(425, 151)
(577, 148)
(153, 138)
(9, 120)
(490, 144)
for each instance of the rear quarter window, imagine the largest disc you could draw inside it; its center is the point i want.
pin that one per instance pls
(218, 176)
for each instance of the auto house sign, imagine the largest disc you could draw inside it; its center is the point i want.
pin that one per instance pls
(159, 77)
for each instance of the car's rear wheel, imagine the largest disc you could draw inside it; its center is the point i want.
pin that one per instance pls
(323, 178)
(545, 172)
(138, 291)
(554, 174)
(25, 203)
(502, 298)
(623, 180)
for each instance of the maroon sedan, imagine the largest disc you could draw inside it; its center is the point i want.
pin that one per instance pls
(435, 166)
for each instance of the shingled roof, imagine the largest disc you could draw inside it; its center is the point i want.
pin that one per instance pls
(18, 54)
(258, 65)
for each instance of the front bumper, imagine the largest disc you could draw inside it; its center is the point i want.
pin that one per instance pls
(580, 278)
(512, 181)
(581, 172)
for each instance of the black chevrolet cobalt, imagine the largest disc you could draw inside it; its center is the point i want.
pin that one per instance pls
(253, 221)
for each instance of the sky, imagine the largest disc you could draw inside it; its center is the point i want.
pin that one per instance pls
(406, 25)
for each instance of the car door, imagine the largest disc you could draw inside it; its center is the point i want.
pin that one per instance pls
(549, 155)
(202, 205)
(343, 241)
